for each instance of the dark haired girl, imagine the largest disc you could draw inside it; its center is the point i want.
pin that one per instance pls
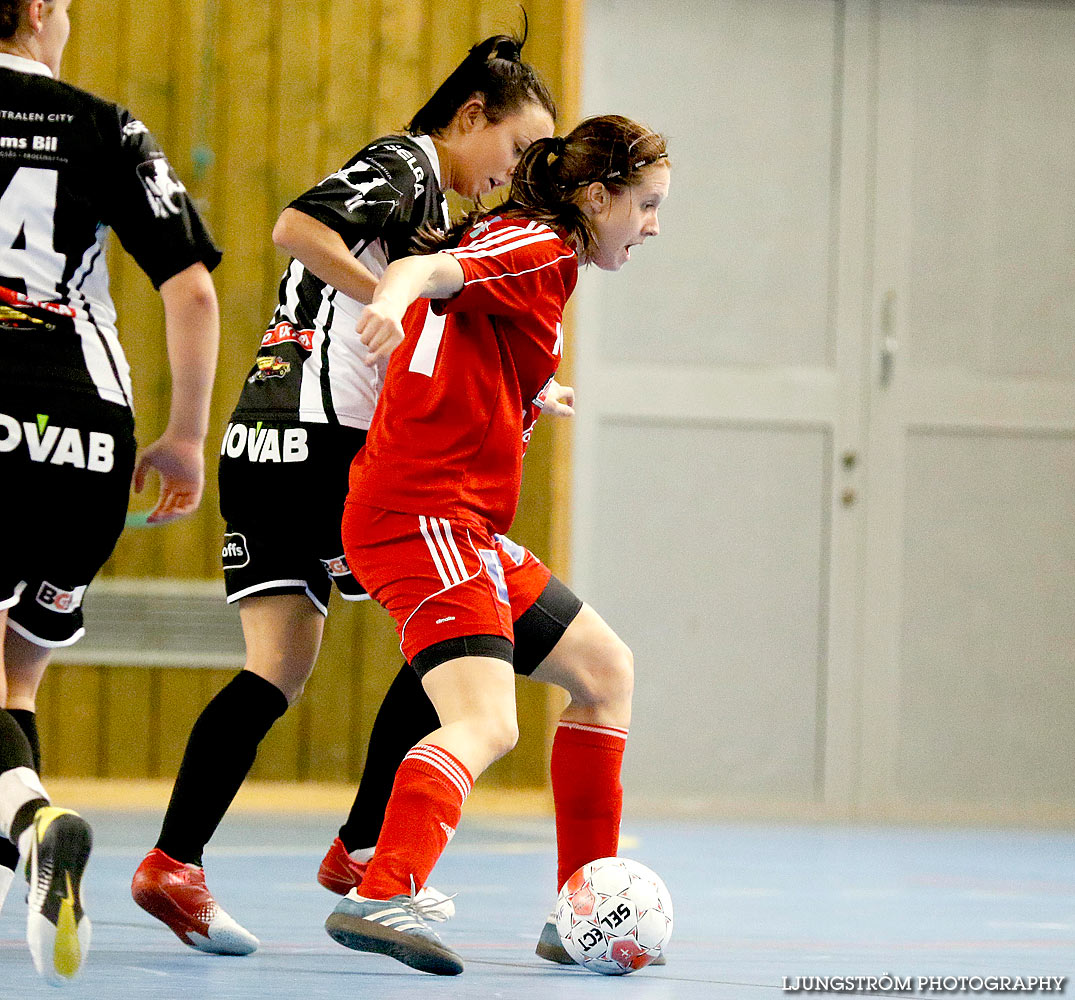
(302, 415)
(437, 485)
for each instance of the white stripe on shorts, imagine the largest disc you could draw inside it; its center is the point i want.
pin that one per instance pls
(445, 579)
(455, 565)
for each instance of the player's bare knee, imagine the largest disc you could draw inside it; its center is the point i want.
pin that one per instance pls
(492, 734)
(606, 677)
(503, 736)
(618, 671)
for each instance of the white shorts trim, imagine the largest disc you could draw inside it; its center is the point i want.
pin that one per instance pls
(247, 591)
(354, 597)
(18, 786)
(10, 602)
(46, 643)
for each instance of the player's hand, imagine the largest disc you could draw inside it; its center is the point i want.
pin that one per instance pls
(559, 400)
(380, 330)
(180, 463)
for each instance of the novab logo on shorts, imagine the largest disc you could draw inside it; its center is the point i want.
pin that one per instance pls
(48, 442)
(55, 598)
(235, 554)
(265, 444)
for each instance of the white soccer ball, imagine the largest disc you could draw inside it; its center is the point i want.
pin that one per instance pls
(614, 916)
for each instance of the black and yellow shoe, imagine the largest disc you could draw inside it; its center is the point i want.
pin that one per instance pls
(57, 929)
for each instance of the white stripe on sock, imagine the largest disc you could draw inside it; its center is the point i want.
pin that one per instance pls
(436, 757)
(602, 730)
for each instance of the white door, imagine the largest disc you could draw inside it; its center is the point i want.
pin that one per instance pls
(970, 630)
(720, 386)
(825, 444)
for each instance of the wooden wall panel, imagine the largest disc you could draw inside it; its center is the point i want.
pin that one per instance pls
(254, 101)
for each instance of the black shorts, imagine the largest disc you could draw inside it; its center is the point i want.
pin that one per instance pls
(66, 467)
(282, 489)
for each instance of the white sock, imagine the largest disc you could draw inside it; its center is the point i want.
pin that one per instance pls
(18, 785)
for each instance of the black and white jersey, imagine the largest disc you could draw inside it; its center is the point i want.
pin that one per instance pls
(72, 168)
(309, 367)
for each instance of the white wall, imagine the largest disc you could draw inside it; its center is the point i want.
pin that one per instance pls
(779, 528)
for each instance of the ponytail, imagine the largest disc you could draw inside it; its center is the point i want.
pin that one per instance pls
(493, 71)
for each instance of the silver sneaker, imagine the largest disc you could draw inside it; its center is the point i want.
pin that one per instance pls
(393, 927)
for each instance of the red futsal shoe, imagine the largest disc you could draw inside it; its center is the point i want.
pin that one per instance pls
(176, 894)
(339, 872)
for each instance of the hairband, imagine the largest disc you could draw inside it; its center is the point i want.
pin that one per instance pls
(557, 144)
(637, 165)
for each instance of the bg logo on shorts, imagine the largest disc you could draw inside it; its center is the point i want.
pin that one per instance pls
(337, 566)
(55, 598)
(235, 554)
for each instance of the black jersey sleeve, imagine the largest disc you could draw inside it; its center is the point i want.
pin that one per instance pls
(382, 190)
(147, 205)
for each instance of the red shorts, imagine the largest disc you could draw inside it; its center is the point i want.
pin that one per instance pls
(440, 579)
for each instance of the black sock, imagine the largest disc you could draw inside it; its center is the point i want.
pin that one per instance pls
(220, 752)
(17, 749)
(24, 816)
(27, 721)
(405, 716)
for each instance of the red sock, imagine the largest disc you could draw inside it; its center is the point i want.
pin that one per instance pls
(587, 794)
(423, 812)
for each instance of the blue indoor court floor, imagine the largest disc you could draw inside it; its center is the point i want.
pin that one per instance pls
(758, 908)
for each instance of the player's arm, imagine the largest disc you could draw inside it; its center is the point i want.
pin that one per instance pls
(192, 331)
(322, 251)
(431, 276)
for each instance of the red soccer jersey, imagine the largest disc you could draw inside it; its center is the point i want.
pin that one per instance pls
(460, 397)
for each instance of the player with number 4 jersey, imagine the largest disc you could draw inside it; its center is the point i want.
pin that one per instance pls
(74, 167)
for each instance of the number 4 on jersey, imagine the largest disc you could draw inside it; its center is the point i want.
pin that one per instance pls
(29, 262)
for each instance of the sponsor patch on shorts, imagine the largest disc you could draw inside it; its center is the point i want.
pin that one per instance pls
(336, 567)
(54, 598)
(235, 554)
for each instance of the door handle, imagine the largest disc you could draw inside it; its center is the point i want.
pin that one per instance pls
(889, 343)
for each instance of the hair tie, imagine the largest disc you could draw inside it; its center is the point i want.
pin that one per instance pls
(557, 144)
(508, 49)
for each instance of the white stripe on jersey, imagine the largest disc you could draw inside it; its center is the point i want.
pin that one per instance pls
(503, 234)
(504, 248)
(427, 348)
(96, 324)
(516, 274)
